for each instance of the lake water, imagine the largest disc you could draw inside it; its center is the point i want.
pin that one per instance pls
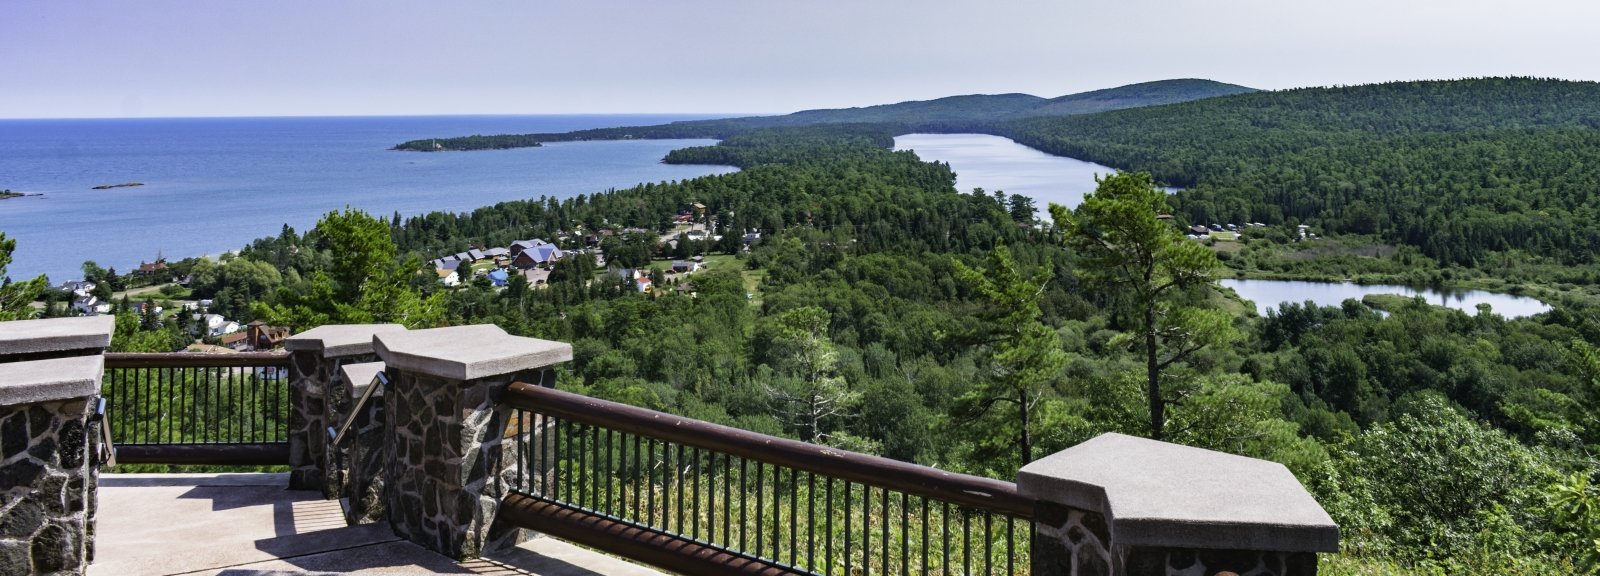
(215, 184)
(1269, 294)
(995, 163)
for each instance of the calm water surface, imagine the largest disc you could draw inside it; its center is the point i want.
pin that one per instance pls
(996, 163)
(1269, 294)
(215, 184)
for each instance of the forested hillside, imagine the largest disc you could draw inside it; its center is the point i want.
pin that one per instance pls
(952, 113)
(1460, 169)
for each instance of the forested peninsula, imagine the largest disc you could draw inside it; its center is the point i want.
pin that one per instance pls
(952, 328)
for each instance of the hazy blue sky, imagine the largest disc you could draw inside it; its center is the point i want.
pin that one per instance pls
(210, 57)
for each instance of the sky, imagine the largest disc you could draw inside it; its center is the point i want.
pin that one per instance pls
(166, 58)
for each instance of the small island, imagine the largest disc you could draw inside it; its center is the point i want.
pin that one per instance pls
(8, 194)
(475, 142)
(122, 185)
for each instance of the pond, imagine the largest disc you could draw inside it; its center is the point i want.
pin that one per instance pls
(1269, 294)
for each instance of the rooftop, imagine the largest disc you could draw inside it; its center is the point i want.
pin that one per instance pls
(249, 525)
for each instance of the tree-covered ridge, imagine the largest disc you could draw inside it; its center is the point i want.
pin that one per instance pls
(1461, 169)
(939, 115)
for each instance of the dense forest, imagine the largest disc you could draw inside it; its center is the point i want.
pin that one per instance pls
(1442, 442)
(1461, 169)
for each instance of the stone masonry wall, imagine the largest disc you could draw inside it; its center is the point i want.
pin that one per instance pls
(46, 458)
(317, 401)
(449, 465)
(1071, 541)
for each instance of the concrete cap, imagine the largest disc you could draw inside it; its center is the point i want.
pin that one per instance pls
(467, 352)
(56, 334)
(37, 381)
(1160, 494)
(360, 376)
(334, 340)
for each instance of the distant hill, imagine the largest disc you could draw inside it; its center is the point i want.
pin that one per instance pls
(953, 113)
(1136, 96)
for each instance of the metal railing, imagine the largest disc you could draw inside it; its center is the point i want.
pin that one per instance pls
(696, 497)
(182, 408)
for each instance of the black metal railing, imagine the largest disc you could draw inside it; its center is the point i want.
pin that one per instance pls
(672, 487)
(198, 408)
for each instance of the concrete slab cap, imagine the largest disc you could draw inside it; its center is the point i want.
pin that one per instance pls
(335, 340)
(56, 334)
(48, 380)
(467, 352)
(360, 376)
(1160, 494)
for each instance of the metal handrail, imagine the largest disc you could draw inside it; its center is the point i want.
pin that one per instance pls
(108, 450)
(337, 436)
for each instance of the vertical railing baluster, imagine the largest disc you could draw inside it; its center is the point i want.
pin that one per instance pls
(925, 543)
(866, 530)
(847, 499)
(988, 543)
(761, 509)
(827, 528)
(811, 521)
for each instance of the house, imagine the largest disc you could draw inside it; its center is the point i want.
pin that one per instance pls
(238, 341)
(685, 266)
(264, 337)
(541, 255)
(448, 276)
(215, 325)
(751, 237)
(474, 255)
(517, 247)
(90, 305)
(158, 265)
(448, 262)
(499, 277)
(642, 284)
(1199, 230)
(493, 253)
(79, 288)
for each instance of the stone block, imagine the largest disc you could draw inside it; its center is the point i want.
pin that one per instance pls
(49, 380)
(335, 340)
(1162, 495)
(50, 335)
(463, 353)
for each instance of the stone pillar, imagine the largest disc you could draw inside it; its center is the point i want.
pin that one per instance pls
(448, 462)
(317, 400)
(50, 373)
(361, 449)
(1126, 506)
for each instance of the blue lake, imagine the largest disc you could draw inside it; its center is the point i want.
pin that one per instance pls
(1270, 294)
(995, 163)
(215, 184)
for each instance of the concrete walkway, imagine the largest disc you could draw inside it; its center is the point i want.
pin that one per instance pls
(249, 525)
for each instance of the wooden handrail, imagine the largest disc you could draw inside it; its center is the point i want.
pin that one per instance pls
(194, 360)
(960, 489)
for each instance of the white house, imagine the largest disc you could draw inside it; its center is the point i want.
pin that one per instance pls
(216, 325)
(89, 305)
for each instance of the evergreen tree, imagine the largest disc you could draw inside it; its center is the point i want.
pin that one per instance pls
(1129, 248)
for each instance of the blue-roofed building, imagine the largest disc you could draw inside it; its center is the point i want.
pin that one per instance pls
(499, 277)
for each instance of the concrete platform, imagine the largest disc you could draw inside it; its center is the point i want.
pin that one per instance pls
(249, 525)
